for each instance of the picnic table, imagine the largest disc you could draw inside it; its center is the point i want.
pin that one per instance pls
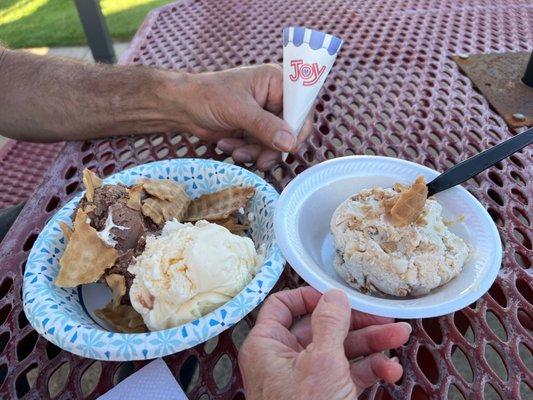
(394, 91)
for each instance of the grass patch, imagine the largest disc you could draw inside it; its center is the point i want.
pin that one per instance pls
(46, 23)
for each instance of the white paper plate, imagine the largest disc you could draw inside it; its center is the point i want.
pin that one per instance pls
(304, 211)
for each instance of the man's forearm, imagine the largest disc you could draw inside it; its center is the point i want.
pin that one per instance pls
(47, 99)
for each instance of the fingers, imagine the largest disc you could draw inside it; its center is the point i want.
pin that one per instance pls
(274, 101)
(228, 145)
(373, 339)
(307, 127)
(374, 368)
(247, 153)
(242, 151)
(330, 321)
(361, 319)
(256, 113)
(266, 127)
(368, 340)
(301, 329)
(282, 307)
(268, 159)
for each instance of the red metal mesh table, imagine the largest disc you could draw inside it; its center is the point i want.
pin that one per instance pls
(23, 166)
(393, 91)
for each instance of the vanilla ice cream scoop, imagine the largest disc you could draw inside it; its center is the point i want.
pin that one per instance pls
(374, 254)
(188, 271)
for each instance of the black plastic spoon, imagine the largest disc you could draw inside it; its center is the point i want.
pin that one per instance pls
(478, 163)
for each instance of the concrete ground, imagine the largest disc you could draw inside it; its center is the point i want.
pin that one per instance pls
(78, 52)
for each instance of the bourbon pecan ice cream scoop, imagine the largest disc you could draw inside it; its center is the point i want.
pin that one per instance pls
(409, 258)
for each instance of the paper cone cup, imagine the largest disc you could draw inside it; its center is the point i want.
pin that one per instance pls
(308, 56)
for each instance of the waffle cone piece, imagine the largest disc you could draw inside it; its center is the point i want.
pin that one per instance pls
(168, 201)
(161, 211)
(123, 318)
(91, 181)
(134, 197)
(219, 205)
(410, 203)
(164, 189)
(117, 284)
(67, 230)
(86, 256)
(233, 225)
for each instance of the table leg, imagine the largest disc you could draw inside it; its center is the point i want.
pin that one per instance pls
(8, 217)
(95, 28)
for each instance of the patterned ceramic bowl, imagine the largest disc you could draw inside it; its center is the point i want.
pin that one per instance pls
(62, 316)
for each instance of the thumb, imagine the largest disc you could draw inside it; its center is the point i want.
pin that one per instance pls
(268, 128)
(330, 321)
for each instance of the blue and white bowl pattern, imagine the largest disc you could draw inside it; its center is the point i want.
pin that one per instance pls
(57, 313)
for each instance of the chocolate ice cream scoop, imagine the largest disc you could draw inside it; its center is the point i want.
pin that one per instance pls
(130, 226)
(114, 211)
(104, 196)
(130, 242)
(118, 225)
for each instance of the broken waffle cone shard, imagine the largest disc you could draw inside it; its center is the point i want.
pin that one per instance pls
(161, 211)
(88, 208)
(91, 181)
(134, 199)
(168, 201)
(400, 187)
(410, 203)
(219, 205)
(117, 284)
(233, 225)
(164, 189)
(67, 230)
(86, 256)
(123, 318)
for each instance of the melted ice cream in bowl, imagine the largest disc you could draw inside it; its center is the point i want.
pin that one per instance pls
(363, 224)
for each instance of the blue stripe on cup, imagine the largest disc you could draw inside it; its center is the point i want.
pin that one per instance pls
(334, 45)
(298, 37)
(316, 40)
